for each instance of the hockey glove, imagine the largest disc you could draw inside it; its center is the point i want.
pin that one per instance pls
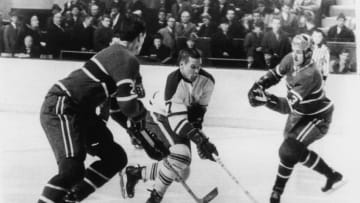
(204, 146)
(139, 122)
(257, 96)
(139, 88)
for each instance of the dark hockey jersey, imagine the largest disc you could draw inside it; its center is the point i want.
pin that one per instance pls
(306, 95)
(112, 72)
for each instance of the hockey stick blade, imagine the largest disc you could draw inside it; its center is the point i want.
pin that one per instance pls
(211, 195)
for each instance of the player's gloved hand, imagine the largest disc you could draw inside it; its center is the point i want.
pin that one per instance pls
(206, 149)
(257, 95)
(204, 146)
(139, 122)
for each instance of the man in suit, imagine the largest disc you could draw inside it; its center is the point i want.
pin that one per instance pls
(339, 32)
(208, 28)
(185, 28)
(11, 34)
(168, 34)
(158, 51)
(82, 35)
(57, 38)
(275, 44)
(28, 49)
(103, 34)
(178, 7)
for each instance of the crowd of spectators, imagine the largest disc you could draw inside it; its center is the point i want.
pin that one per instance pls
(264, 28)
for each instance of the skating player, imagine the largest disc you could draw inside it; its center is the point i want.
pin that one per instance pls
(309, 110)
(72, 127)
(177, 122)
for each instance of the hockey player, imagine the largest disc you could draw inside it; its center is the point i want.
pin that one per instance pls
(309, 110)
(177, 122)
(72, 127)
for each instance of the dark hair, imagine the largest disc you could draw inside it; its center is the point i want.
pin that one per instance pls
(259, 23)
(157, 36)
(131, 28)
(341, 15)
(185, 54)
(323, 35)
(345, 50)
(105, 16)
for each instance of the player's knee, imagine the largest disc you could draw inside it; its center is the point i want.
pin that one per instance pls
(184, 174)
(291, 151)
(179, 157)
(115, 156)
(71, 171)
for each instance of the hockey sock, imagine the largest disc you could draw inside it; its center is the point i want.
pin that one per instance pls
(315, 162)
(150, 172)
(165, 177)
(71, 171)
(284, 172)
(96, 175)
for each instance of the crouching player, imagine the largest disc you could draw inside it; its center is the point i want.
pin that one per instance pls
(74, 130)
(177, 122)
(309, 110)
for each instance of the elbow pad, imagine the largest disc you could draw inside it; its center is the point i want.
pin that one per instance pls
(269, 79)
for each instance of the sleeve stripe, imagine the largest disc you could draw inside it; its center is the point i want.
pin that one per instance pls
(179, 125)
(124, 81)
(277, 69)
(101, 67)
(178, 113)
(127, 98)
(297, 95)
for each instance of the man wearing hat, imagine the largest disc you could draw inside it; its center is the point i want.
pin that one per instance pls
(339, 32)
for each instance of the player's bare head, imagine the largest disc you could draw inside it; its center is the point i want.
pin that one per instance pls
(302, 49)
(133, 33)
(190, 63)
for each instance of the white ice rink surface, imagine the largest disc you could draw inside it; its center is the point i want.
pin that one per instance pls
(247, 140)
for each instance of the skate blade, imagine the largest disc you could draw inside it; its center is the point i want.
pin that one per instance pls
(337, 186)
(122, 184)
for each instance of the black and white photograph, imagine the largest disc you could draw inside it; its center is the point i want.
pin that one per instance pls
(179, 101)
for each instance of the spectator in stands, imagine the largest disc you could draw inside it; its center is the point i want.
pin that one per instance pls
(191, 43)
(343, 64)
(73, 18)
(1, 33)
(252, 46)
(11, 34)
(236, 29)
(82, 35)
(34, 31)
(160, 23)
(308, 24)
(168, 35)
(185, 27)
(178, 7)
(321, 53)
(221, 42)
(209, 9)
(288, 20)
(57, 38)
(339, 32)
(207, 28)
(54, 10)
(135, 5)
(220, 10)
(96, 15)
(158, 51)
(300, 6)
(68, 5)
(196, 10)
(100, 4)
(116, 18)
(103, 34)
(28, 49)
(118, 4)
(275, 44)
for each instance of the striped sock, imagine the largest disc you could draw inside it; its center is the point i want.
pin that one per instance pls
(165, 177)
(284, 172)
(150, 172)
(315, 162)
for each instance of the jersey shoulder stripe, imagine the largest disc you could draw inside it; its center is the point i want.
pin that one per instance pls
(172, 83)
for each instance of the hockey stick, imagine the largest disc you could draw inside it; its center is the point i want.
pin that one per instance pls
(207, 198)
(247, 193)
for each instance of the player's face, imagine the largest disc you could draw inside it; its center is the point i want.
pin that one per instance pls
(190, 70)
(298, 55)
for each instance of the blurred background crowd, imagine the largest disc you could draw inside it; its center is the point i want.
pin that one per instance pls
(255, 34)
